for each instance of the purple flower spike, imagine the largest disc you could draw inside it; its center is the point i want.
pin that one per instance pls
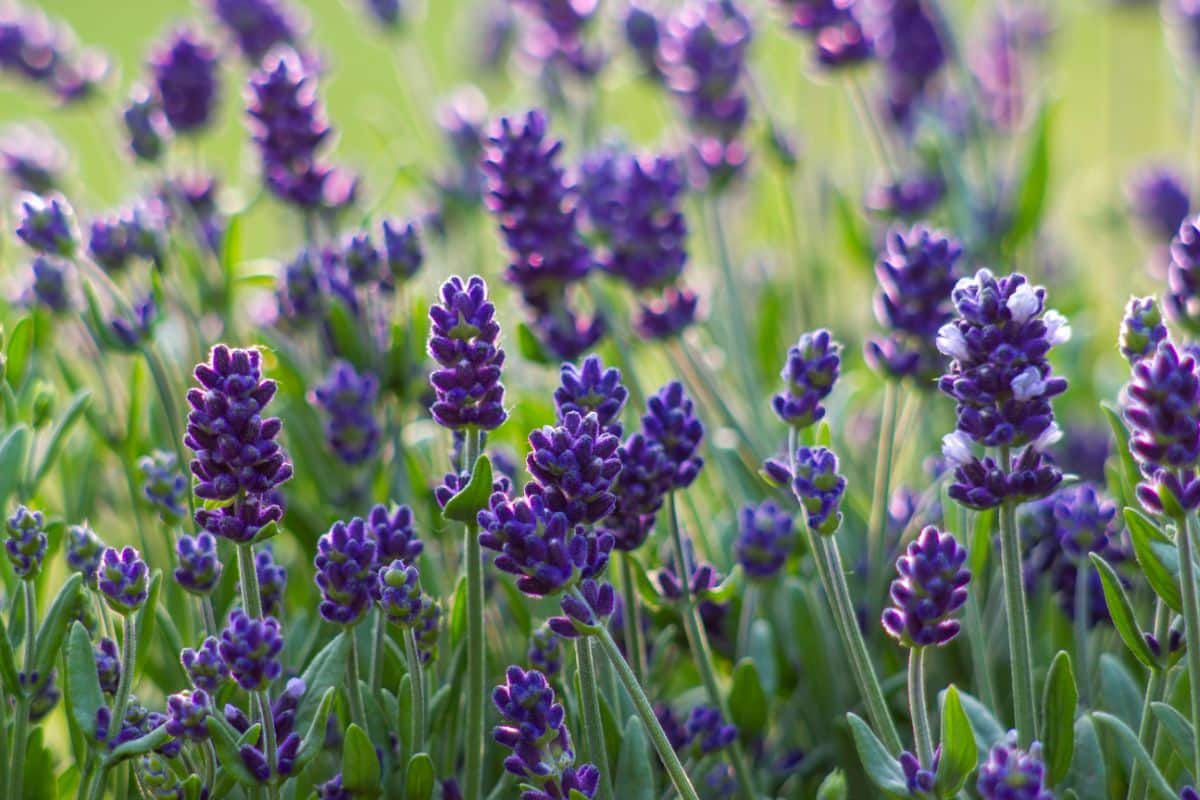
(573, 466)
(908, 197)
(205, 667)
(428, 629)
(272, 580)
(554, 36)
(545, 651)
(108, 665)
(592, 388)
(642, 33)
(1086, 521)
(982, 483)
(668, 316)
(765, 539)
(345, 564)
(47, 224)
(932, 586)
(708, 731)
(402, 251)
(163, 484)
(32, 158)
(566, 334)
(48, 288)
(583, 617)
(399, 591)
(465, 341)
(26, 542)
(916, 273)
(1182, 301)
(920, 781)
(348, 399)
(646, 475)
(394, 534)
(199, 564)
(256, 25)
(819, 488)
(186, 715)
(250, 649)
(670, 420)
(1010, 773)
(123, 578)
(811, 370)
(185, 75)
(1159, 199)
(146, 128)
(1142, 329)
(1164, 414)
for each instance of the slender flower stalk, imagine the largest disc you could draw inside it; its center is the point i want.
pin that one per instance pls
(919, 706)
(1154, 694)
(416, 673)
(16, 770)
(1191, 621)
(476, 690)
(593, 725)
(635, 647)
(1019, 648)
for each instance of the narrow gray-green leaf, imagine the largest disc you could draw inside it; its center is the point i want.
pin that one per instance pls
(747, 700)
(54, 627)
(960, 752)
(635, 769)
(1121, 611)
(1129, 740)
(883, 770)
(1058, 718)
(471, 499)
(1161, 576)
(1179, 730)
(360, 765)
(84, 696)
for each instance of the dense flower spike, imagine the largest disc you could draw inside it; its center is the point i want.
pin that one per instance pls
(765, 539)
(667, 316)
(399, 593)
(256, 25)
(84, 549)
(26, 542)
(185, 76)
(348, 399)
(250, 649)
(835, 28)
(1086, 521)
(811, 370)
(909, 46)
(545, 651)
(205, 667)
(47, 224)
(573, 466)
(932, 586)
(44, 52)
(1013, 774)
(186, 715)
(1142, 329)
(199, 565)
(123, 579)
(272, 580)
(345, 565)
(1164, 414)
(671, 422)
(108, 665)
(164, 485)
(394, 534)
(708, 731)
(592, 388)
(819, 488)
(554, 36)
(1159, 200)
(982, 483)
(401, 251)
(1182, 301)
(465, 341)
(916, 273)
(646, 475)
(146, 128)
(908, 197)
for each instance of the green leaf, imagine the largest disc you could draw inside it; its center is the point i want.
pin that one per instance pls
(419, 784)
(1033, 181)
(54, 626)
(155, 738)
(1121, 611)
(1178, 729)
(1088, 775)
(959, 750)
(1162, 578)
(987, 730)
(762, 652)
(1058, 718)
(84, 696)
(1130, 474)
(833, 787)
(635, 769)
(8, 663)
(360, 765)
(326, 670)
(12, 461)
(347, 335)
(458, 612)
(314, 737)
(1129, 740)
(145, 620)
(853, 230)
(225, 740)
(66, 422)
(1119, 692)
(473, 497)
(40, 781)
(20, 351)
(747, 700)
(191, 787)
(883, 770)
(530, 347)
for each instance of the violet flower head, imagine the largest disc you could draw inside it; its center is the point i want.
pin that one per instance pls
(256, 25)
(361, 258)
(84, 550)
(586, 613)
(1159, 200)
(766, 537)
(671, 421)
(26, 542)
(163, 484)
(250, 649)
(48, 287)
(186, 715)
(982, 483)
(464, 339)
(566, 334)
(1010, 773)
(428, 629)
(272, 580)
(185, 76)
(916, 273)
(199, 563)
(708, 731)
(641, 28)
(809, 374)
(348, 399)
(1182, 300)
(647, 475)
(402, 251)
(47, 224)
(399, 593)
(108, 665)
(204, 666)
(819, 488)
(387, 13)
(545, 651)
(123, 580)
(554, 36)
(394, 534)
(345, 564)
(1188, 793)
(668, 316)
(908, 197)
(931, 587)
(920, 781)
(146, 128)
(1142, 329)
(1086, 520)
(592, 388)
(842, 42)
(909, 46)
(999, 375)
(32, 158)
(1164, 414)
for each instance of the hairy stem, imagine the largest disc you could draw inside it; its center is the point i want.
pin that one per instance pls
(1154, 688)
(416, 682)
(919, 707)
(1019, 650)
(593, 725)
(634, 646)
(476, 646)
(20, 736)
(1191, 626)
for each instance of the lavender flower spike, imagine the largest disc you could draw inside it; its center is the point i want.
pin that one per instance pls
(1164, 414)
(766, 538)
(199, 565)
(399, 592)
(345, 565)
(26, 542)
(671, 421)
(811, 370)
(84, 550)
(574, 465)
(185, 75)
(47, 224)
(250, 649)
(592, 388)
(1012, 774)
(348, 398)
(123, 580)
(1182, 300)
(932, 586)
(819, 488)
(1142, 329)
(465, 341)
(204, 666)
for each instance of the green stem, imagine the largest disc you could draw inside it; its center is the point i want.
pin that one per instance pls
(735, 306)
(377, 652)
(476, 647)
(248, 575)
(1191, 626)
(632, 619)
(20, 736)
(270, 743)
(979, 660)
(358, 714)
(883, 476)
(124, 687)
(702, 652)
(416, 681)
(1154, 687)
(876, 137)
(593, 725)
(919, 707)
(1019, 650)
(666, 753)
(210, 617)
(1080, 629)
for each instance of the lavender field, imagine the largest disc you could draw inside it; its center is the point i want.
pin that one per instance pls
(600, 399)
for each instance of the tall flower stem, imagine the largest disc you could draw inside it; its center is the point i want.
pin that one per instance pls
(1154, 690)
(270, 742)
(919, 707)
(1020, 654)
(124, 687)
(1079, 628)
(876, 136)
(634, 646)
(1191, 624)
(252, 603)
(20, 735)
(593, 725)
(358, 713)
(378, 646)
(735, 304)
(666, 753)
(702, 652)
(476, 692)
(972, 616)
(416, 681)
(883, 474)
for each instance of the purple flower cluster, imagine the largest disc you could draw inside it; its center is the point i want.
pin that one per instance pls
(108, 665)
(205, 666)
(907, 197)
(44, 52)
(545, 651)
(835, 29)
(185, 81)
(135, 232)
(84, 550)
(257, 25)
(250, 649)
(819, 487)
(399, 591)
(920, 781)
(1010, 773)
(1159, 200)
(554, 35)
(348, 398)
(402, 251)
(163, 484)
(464, 339)
(573, 466)
(916, 273)
(909, 46)
(394, 534)
(667, 316)
(646, 476)
(982, 483)
(49, 285)
(199, 564)
(809, 373)
(932, 586)
(345, 564)
(766, 538)
(708, 732)
(237, 457)
(592, 389)
(1164, 414)
(26, 542)
(272, 580)
(671, 422)
(535, 730)
(32, 158)
(186, 715)
(146, 128)
(47, 224)
(123, 580)
(1182, 300)
(1142, 329)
